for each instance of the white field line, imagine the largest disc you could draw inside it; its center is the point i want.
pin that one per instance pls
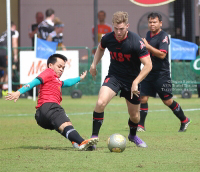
(89, 113)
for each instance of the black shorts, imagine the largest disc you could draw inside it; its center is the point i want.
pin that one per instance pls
(116, 85)
(162, 86)
(51, 116)
(3, 61)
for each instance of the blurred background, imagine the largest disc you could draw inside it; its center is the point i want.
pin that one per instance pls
(180, 20)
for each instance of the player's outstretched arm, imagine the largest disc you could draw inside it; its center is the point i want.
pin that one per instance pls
(153, 50)
(146, 61)
(15, 95)
(72, 81)
(97, 57)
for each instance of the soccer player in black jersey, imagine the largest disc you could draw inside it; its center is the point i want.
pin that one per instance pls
(127, 51)
(34, 27)
(158, 80)
(46, 26)
(57, 34)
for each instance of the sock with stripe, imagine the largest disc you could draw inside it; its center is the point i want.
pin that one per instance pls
(97, 122)
(133, 127)
(71, 134)
(176, 108)
(143, 114)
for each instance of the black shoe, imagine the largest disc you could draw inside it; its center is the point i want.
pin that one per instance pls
(184, 125)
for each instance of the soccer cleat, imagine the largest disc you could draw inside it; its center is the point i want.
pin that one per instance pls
(91, 148)
(139, 142)
(75, 145)
(140, 128)
(184, 125)
(87, 143)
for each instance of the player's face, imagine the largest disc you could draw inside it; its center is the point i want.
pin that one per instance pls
(39, 18)
(154, 25)
(101, 17)
(58, 67)
(120, 30)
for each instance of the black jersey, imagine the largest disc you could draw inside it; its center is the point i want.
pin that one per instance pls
(33, 27)
(3, 42)
(44, 28)
(125, 55)
(57, 38)
(161, 42)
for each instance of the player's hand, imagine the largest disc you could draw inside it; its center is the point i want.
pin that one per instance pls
(93, 71)
(145, 42)
(83, 75)
(13, 96)
(15, 58)
(134, 90)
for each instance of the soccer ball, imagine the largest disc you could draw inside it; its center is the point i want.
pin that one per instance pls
(116, 143)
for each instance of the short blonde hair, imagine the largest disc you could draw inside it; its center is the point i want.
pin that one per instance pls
(58, 22)
(120, 17)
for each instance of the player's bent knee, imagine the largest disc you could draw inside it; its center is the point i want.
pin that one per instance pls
(143, 99)
(135, 116)
(101, 104)
(65, 124)
(168, 102)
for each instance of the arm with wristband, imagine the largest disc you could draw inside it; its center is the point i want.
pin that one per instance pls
(15, 95)
(70, 82)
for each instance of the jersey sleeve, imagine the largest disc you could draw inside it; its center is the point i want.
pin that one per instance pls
(46, 75)
(140, 48)
(16, 34)
(103, 42)
(164, 42)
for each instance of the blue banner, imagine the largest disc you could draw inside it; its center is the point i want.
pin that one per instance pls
(183, 50)
(45, 48)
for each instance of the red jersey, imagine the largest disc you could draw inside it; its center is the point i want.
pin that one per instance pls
(50, 89)
(102, 29)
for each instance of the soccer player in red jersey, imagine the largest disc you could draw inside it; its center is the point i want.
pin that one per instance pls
(127, 52)
(49, 114)
(159, 80)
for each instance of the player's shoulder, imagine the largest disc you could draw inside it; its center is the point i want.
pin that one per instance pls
(133, 36)
(163, 33)
(109, 35)
(43, 24)
(148, 35)
(108, 25)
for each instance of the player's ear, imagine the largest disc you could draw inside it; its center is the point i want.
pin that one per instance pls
(160, 23)
(50, 65)
(127, 25)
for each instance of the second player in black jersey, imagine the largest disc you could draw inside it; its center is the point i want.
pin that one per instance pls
(159, 80)
(46, 26)
(127, 52)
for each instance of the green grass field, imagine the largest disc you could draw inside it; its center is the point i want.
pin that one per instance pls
(24, 146)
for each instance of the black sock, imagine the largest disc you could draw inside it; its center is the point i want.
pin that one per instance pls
(133, 127)
(97, 122)
(71, 134)
(143, 113)
(176, 108)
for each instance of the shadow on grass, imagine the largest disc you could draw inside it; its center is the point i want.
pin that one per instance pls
(42, 148)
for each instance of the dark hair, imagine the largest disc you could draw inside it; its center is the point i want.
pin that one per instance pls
(101, 11)
(53, 58)
(49, 12)
(12, 23)
(153, 15)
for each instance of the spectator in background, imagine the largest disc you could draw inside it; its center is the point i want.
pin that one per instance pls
(103, 27)
(33, 29)
(46, 26)
(57, 34)
(3, 53)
